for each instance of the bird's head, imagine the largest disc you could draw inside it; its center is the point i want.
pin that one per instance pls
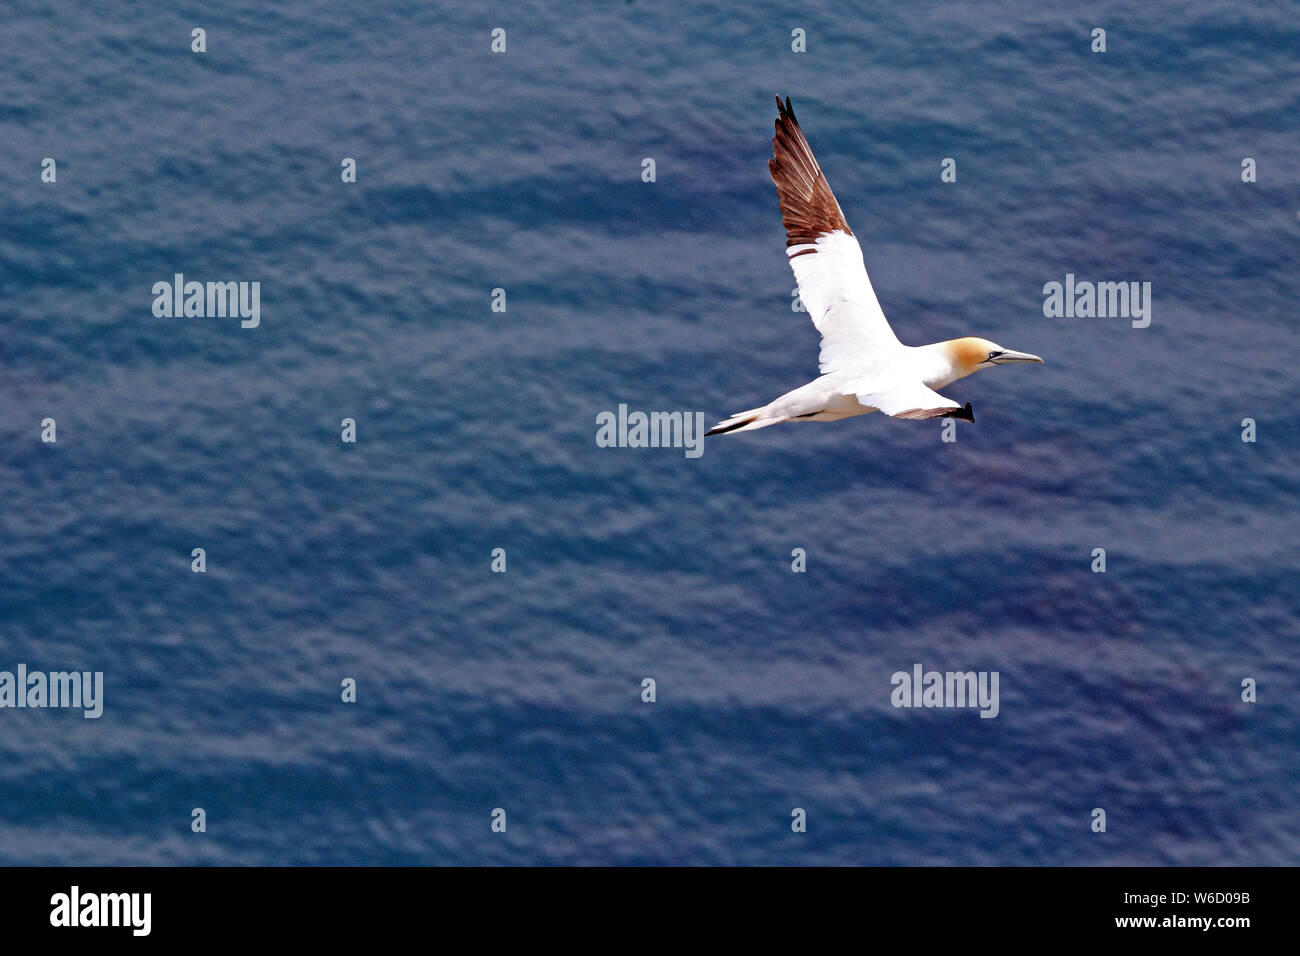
(970, 354)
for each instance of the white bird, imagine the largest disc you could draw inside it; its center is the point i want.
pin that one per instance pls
(864, 367)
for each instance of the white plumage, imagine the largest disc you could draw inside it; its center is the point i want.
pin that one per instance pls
(865, 368)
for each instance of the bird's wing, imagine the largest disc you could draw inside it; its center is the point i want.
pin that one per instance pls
(826, 258)
(910, 400)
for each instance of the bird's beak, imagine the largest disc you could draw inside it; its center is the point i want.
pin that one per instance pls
(1007, 358)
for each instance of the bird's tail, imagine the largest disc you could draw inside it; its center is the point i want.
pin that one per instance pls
(743, 422)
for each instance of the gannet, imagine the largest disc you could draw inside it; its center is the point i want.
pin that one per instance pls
(864, 367)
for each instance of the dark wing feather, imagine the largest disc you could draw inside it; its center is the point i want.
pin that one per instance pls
(808, 207)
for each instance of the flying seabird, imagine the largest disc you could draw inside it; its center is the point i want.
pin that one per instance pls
(864, 367)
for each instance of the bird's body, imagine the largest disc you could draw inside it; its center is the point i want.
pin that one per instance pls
(865, 368)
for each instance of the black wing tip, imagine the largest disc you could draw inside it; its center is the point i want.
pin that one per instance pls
(787, 131)
(965, 414)
(720, 429)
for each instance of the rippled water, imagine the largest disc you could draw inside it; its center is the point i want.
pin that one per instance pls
(476, 431)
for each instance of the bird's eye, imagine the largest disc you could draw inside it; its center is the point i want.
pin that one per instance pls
(992, 356)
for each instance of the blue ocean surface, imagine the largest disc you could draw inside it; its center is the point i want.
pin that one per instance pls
(476, 430)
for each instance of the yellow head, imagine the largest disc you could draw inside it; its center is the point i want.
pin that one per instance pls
(970, 354)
